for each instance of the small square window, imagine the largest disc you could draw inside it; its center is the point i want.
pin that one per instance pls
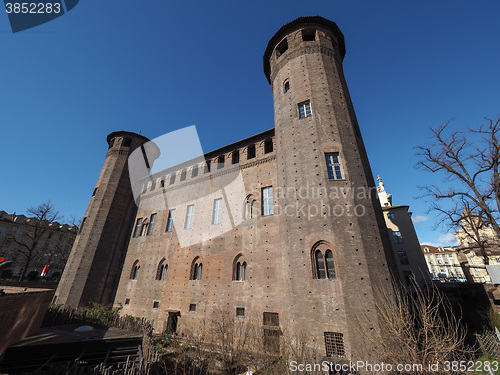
(192, 307)
(156, 304)
(271, 319)
(305, 109)
(308, 35)
(240, 311)
(127, 301)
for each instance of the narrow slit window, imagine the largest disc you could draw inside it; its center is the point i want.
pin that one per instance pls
(170, 220)
(138, 225)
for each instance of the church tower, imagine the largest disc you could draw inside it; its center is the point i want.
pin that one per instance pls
(329, 216)
(94, 265)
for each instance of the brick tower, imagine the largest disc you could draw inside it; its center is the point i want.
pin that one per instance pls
(329, 215)
(94, 265)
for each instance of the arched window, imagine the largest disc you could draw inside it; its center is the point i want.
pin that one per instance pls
(330, 265)
(161, 273)
(249, 209)
(134, 273)
(239, 268)
(323, 261)
(196, 269)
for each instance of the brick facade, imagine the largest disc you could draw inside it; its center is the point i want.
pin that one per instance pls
(310, 268)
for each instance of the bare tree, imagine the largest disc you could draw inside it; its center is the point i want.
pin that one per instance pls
(29, 239)
(469, 163)
(421, 329)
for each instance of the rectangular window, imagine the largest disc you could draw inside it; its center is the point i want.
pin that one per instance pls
(396, 236)
(188, 223)
(207, 166)
(251, 152)
(333, 166)
(334, 344)
(183, 175)
(170, 221)
(271, 319)
(137, 229)
(192, 307)
(236, 157)
(217, 211)
(403, 257)
(267, 201)
(305, 109)
(194, 173)
(391, 215)
(156, 304)
(127, 301)
(151, 226)
(172, 179)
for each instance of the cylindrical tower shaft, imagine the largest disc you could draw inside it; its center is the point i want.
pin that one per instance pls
(329, 220)
(94, 265)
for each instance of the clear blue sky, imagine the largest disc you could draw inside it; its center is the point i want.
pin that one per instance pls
(158, 65)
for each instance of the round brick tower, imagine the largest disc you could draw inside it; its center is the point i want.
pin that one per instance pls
(94, 265)
(336, 254)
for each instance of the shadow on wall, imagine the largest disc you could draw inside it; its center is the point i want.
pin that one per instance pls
(21, 313)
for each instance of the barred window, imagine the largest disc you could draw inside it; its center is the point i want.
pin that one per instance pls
(334, 344)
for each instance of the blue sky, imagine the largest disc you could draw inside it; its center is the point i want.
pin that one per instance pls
(156, 66)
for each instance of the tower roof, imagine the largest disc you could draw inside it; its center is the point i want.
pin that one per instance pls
(301, 20)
